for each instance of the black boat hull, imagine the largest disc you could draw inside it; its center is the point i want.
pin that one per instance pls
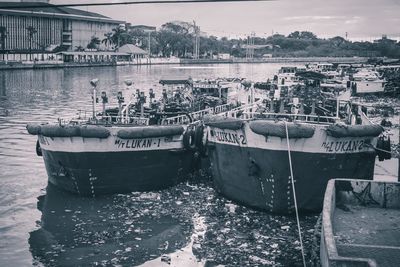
(98, 173)
(253, 168)
(261, 178)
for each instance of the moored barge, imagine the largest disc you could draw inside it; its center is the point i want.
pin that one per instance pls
(124, 149)
(253, 148)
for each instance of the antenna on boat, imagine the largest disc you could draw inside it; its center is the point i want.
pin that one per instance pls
(94, 83)
(104, 101)
(121, 100)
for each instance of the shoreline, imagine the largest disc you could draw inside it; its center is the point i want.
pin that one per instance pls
(182, 61)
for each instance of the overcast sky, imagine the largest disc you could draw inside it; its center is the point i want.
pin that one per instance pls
(362, 19)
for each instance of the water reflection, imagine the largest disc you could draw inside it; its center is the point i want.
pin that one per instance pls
(2, 85)
(121, 229)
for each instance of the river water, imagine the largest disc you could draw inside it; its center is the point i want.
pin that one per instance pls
(40, 225)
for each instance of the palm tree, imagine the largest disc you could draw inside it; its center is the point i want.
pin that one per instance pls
(79, 48)
(117, 34)
(108, 40)
(31, 31)
(94, 42)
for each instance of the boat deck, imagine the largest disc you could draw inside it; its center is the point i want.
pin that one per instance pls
(368, 232)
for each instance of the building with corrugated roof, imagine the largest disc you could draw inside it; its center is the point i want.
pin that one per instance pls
(34, 27)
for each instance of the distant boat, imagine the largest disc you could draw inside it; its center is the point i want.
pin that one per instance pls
(360, 224)
(367, 81)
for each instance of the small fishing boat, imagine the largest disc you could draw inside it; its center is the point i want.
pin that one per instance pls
(253, 148)
(123, 149)
(360, 224)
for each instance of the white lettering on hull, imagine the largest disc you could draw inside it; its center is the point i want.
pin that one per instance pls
(319, 143)
(345, 146)
(230, 137)
(111, 144)
(138, 143)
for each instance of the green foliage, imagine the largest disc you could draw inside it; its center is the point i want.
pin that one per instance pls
(108, 40)
(79, 48)
(94, 42)
(177, 39)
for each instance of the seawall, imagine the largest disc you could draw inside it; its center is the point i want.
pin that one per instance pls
(161, 61)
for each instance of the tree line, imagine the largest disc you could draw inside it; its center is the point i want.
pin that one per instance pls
(177, 39)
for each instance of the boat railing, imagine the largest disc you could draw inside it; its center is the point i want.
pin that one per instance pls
(235, 112)
(292, 117)
(197, 115)
(125, 120)
(181, 119)
(222, 108)
(251, 111)
(105, 120)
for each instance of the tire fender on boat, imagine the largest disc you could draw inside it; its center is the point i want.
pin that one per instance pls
(387, 148)
(200, 140)
(383, 148)
(38, 149)
(93, 131)
(33, 128)
(278, 129)
(150, 131)
(343, 130)
(189, 141)
(55, 130)
(225, 123)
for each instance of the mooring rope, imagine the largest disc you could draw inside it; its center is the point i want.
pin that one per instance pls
(394, 154)
(294, 195)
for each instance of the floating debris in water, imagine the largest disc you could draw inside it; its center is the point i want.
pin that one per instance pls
(135, 228)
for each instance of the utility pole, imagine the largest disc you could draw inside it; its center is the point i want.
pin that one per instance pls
(149, 44)
(250, 47)
(196, 49)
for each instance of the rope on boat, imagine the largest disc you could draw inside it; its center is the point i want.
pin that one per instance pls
(294, 195)
(394, 154)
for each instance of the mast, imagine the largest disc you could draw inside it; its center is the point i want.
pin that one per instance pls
(94, 83)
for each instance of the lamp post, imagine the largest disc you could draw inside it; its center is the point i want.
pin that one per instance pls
(31, 31)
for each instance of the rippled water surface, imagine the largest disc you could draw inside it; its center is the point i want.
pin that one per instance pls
(49, 227)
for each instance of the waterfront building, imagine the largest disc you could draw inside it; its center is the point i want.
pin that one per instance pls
(42, 28)
(94, 57)
(132, 50)
(126, 54)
